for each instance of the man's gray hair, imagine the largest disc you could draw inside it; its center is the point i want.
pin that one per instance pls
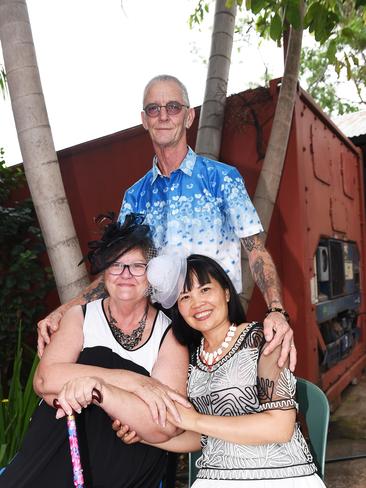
(158, 78)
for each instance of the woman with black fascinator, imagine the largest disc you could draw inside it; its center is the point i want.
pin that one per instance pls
(124, 341)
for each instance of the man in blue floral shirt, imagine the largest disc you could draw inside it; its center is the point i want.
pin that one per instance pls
(198, 205)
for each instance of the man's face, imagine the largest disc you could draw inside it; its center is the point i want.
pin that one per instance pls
(167, 130)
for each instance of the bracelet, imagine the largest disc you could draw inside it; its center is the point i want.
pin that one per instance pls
(280, 310)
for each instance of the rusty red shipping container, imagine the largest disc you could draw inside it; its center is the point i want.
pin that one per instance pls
(318, 220)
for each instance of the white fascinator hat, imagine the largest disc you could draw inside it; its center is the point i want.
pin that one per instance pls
(166, 274)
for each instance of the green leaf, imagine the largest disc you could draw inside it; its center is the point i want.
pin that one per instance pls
(348, 67)
(310, 14)
(275, 30)
(293, 14)
(331, 51)
(360, 3)
(257, 5)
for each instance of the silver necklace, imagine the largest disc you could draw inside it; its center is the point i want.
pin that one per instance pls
(128, 341)
(211, 358)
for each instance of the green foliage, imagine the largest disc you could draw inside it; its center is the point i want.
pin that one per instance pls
(24, 282)
(338, 26)
(342, 54)
(16, 410)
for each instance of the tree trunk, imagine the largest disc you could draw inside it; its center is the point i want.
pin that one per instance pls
(270, 176)
(212, 111)
(38, 152)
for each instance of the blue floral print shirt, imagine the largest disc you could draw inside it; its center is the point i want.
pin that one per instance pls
(203, 208)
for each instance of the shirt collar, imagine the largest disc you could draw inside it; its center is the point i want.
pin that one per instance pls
(186, 165)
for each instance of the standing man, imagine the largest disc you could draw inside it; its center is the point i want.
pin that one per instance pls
(198, 205)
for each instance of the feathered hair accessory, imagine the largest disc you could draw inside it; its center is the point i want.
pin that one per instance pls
(166, 274)
(117, 239)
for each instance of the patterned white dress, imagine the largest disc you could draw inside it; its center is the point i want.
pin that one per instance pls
(242, 383)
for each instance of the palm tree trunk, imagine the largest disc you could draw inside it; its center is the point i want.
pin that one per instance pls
(38, 152)
(270, 176)
(211, 121)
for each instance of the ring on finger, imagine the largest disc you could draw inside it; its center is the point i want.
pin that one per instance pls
(292, 345)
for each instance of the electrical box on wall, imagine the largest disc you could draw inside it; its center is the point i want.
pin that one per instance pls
(339, 297)
(322, 263)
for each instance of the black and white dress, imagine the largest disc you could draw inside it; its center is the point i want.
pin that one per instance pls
(244, 382)
(44, 459)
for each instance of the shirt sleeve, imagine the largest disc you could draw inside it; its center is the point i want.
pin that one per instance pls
(242, 216)
(127, 207)
(276, 386)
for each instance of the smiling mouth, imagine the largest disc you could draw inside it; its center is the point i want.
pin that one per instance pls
(202, 315)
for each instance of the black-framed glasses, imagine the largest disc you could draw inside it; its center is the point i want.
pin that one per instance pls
(172, 108)
(135, 269)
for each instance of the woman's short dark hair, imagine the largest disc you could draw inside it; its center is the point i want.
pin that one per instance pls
(118, 239)
(204, 269)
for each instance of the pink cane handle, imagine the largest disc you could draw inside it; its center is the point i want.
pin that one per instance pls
(96, 395)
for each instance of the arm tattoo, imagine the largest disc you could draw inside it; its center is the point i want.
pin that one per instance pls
(98, 292)
(263, 269)
(253, 242)
(265, 277)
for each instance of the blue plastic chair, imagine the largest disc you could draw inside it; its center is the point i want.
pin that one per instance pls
(314, 407)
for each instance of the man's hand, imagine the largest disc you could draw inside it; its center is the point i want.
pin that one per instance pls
(46, 327)
(276, 322)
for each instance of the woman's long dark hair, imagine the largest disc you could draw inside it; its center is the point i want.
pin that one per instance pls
(204, 269)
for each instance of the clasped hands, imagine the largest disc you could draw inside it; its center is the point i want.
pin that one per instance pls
(187, 421)
(161, 400)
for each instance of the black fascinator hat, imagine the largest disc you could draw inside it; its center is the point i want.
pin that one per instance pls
(117, 239)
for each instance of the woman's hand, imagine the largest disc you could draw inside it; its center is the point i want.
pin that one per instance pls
(188, 418)
(78, 394)
(124, 433)
(160, 399)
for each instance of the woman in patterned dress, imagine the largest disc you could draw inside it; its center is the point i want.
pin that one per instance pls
(244, 418)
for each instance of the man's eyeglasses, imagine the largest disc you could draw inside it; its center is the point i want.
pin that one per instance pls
(172, 108)
(135, 269)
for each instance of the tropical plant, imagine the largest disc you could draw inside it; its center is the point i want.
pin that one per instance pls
(341, 56)
(24, 280)
(17, 409)
(339, 30)
(38, 151)
(212, 113)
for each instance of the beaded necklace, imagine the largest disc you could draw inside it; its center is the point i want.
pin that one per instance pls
(210, 358)
(128, 341)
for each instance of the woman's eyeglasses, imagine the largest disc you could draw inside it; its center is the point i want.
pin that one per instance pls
(135, 269)
(172, 108)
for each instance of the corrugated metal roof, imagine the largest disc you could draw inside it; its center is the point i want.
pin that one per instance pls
(353, 124)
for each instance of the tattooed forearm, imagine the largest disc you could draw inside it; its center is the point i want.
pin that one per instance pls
(98, 292)
(251, 243)
(265, 276)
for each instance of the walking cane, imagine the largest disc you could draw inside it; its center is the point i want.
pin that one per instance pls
(73, 442)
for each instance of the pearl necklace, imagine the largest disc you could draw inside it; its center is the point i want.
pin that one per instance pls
(211, 358)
